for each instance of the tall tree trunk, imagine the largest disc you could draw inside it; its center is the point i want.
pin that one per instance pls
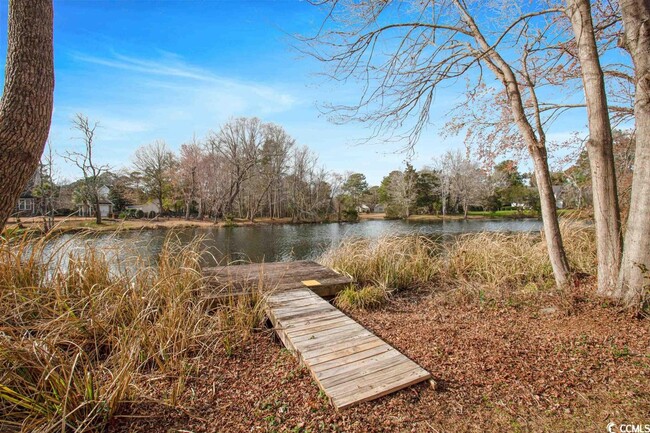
(636, 252)
(600, 149)
(552, 233)
(536, 147)
(26, 106)
(537, 150)
(98, 213)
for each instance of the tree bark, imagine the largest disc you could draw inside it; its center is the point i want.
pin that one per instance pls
(633, 277)
(27, 101)
(599, 148)
(552, 233)
(98, 212)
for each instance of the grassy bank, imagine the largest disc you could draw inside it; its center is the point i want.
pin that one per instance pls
(87, 345)
(80, 337)
(481, 264)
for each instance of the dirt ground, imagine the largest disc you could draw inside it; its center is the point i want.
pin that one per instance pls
(548, 364)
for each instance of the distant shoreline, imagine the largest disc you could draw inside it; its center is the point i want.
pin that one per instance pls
(32, 225)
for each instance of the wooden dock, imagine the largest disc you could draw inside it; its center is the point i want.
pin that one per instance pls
(274, 277)
(349, 363)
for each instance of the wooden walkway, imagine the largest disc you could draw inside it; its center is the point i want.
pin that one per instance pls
(350, 363)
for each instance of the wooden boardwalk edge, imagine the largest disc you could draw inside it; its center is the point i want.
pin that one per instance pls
(349, 363)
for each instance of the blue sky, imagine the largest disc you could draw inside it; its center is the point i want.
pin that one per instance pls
(171, 69)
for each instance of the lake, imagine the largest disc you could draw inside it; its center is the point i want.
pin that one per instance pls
(284, 242)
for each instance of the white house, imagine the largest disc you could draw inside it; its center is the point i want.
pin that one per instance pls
(147, 208)
(558, 192)
(105, 205)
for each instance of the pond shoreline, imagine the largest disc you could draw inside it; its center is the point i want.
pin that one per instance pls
(64, 225)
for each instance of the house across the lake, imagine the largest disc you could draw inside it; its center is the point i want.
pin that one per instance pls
(26, 205)
(87, 209)
(147, 208)
(558, 192)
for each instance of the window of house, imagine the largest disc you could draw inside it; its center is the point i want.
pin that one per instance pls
(24, 204)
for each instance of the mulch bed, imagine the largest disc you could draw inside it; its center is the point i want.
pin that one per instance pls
(498, 366)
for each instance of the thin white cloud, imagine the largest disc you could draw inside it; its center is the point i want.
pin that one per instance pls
(172, 66)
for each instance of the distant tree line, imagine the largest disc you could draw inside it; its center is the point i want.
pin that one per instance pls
(250, 169)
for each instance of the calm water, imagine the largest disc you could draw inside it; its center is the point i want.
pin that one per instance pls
(285, 242)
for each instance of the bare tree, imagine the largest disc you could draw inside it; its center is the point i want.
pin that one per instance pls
(336, 181)
(28, 97)
(401, 81)
(399, 192)
(271, 166)
(462, 181)
(636, 253)
(45, 190)
(191, 156)
(84, 160)
(155, 163)
(238, 143)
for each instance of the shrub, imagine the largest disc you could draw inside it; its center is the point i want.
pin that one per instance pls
(351, 215)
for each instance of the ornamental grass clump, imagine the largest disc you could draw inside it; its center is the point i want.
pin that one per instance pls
(497, 264)
(82, 330)
(365, 298)
(391, 262)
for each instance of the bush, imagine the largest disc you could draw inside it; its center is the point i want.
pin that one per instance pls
(351, 215)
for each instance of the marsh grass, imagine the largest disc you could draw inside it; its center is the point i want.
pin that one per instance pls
(365, 298)
(80, 333)
(482, 266)
(393, 262)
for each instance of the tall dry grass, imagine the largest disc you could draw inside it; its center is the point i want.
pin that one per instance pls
(479, 263)
(79, 334)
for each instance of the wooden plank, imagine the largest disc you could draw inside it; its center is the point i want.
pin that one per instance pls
(312, 328)
(358, 347)
(350, 358)
(362, 384)
(381, 389)
(335, 334)
(348, 366)
(350, 342)
(349, 363)
(315, 318)
(349, 374)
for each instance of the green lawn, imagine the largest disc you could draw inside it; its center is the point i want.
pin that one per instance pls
(505, 213)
